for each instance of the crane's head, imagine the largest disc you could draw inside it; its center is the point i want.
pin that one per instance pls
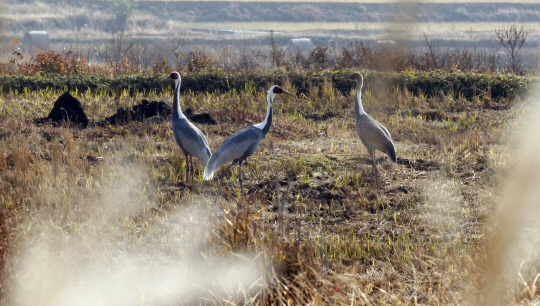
(357, 77)
(174, 76)
(276, 90)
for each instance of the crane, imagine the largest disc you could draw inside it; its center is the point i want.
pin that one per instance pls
(373, 134)
(241, 145)
(188, 137)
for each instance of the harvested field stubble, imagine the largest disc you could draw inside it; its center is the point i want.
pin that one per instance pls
(107, 203)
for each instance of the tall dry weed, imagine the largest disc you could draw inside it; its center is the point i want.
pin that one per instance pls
(514, 251)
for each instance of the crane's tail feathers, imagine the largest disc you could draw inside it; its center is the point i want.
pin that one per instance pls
(209, 170)
(391, 152)
(212, 166)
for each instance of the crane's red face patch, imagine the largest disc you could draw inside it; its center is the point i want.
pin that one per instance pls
(174, 76)
(278, 90)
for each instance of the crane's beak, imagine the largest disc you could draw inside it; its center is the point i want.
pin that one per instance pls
(288, 93)
(167, 78)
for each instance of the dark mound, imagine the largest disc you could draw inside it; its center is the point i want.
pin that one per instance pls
(66, 109)
(203, 118)
(159, 110)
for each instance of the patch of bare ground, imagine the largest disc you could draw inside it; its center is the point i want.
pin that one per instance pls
(322, 231)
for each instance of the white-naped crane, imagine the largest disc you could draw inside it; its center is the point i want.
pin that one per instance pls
(241, 145)
(188, 137)
(373, 134)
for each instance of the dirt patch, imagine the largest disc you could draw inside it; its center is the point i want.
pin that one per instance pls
(66, 110)
(403, 190)
(500, 107)
(419, 164)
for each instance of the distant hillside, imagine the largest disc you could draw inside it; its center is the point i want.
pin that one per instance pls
(221, 11)
(99, 15)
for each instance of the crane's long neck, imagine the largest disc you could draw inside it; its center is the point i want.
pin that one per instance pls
(358, 108)
(265, 125)
(176, 111)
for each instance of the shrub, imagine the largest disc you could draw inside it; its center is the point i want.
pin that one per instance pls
(431, 84)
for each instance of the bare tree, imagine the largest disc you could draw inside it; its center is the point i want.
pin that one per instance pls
(431, 52)
(512, 40)
(277, 54)
(176, 46)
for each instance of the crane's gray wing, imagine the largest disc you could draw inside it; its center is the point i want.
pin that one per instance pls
(384, 129)
(375, 136)
(237, 147)
(191, 140)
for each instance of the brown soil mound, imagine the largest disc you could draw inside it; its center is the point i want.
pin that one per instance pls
(160, 110)
(66, 110)
(203, 118)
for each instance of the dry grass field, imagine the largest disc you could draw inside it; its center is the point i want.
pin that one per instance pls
(102, 215)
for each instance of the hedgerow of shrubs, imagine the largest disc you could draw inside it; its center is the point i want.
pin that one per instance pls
(434, 83)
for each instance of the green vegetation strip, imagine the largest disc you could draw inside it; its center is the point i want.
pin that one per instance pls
(432, 84)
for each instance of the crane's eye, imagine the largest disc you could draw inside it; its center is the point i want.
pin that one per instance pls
(278, 90)
(174, 76)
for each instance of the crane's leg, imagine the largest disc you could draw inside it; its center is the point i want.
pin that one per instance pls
(241, 187)
(221, 181)
(187, 169)
(372, 152)
(192, 171)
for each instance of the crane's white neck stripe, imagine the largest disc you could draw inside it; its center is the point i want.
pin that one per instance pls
(181, 115)
(360, 107)
(177, 98)
(269, 99)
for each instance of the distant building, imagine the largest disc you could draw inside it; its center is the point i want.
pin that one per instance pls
(304, 45)
(36, 40)
(386, 45)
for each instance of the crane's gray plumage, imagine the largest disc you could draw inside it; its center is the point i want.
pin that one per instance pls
(237, 147)
(189, 138)
(241, 145)
(373, 134)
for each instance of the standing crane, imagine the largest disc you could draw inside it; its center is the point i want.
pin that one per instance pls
(188, 137)
(241, 145)
(373, 134)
